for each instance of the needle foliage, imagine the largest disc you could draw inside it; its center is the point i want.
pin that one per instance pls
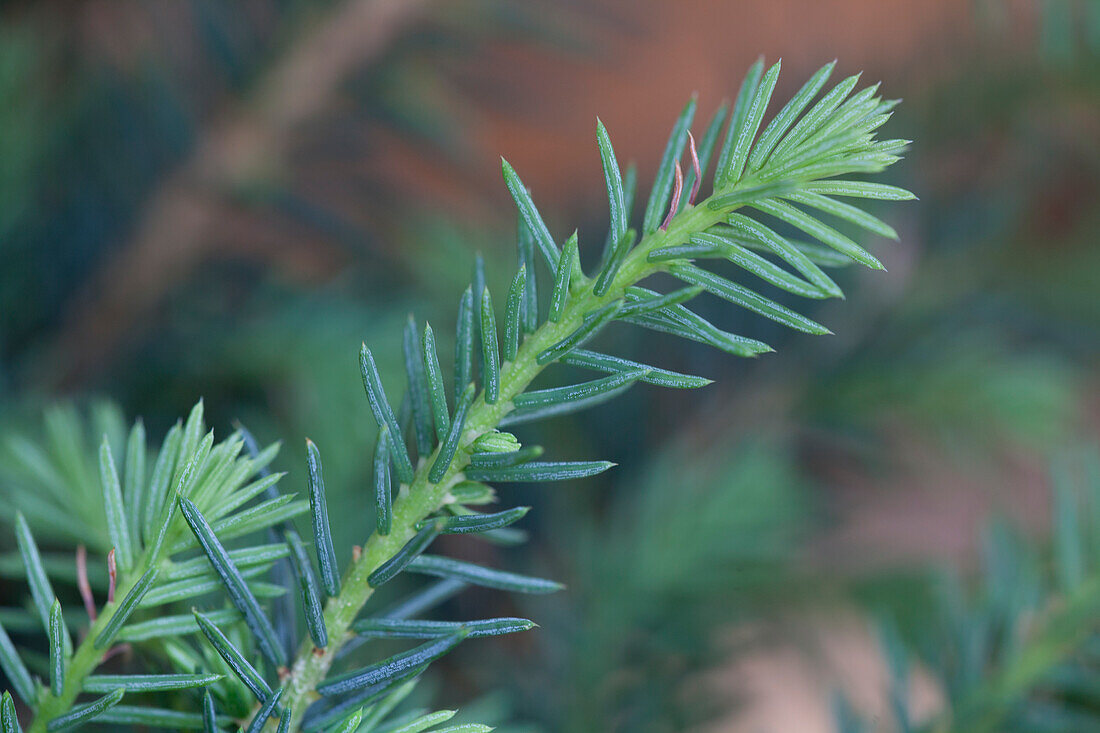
(198, 534)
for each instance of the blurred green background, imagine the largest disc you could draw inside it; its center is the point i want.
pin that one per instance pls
(223, 199)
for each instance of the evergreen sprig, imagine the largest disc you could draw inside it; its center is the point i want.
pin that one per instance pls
(181, 535)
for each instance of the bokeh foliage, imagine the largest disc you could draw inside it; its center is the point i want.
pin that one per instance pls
(982, 344)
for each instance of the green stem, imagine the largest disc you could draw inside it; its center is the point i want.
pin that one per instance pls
(87, 656)
(85, 659)
(422, 498)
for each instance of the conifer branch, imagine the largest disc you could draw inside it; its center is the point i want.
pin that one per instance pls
(172, 531)
(426, 494)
